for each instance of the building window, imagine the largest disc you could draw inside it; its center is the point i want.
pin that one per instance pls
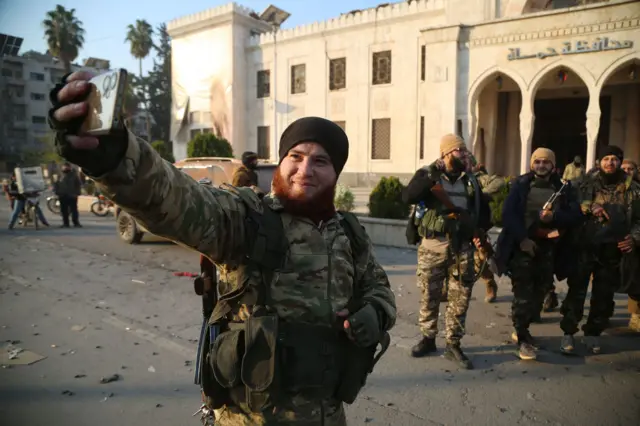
(37, 96)
(422, 137)
(342, 124)
(37, 76)
(38, 119)
(6, 72)
(264, 145)
(381, 139)
(337, 74)
(382, 67)
(298, 79)
(423, 63)
(264, 84)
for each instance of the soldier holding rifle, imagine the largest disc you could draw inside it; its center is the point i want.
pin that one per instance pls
(536, 214)
(451, 214)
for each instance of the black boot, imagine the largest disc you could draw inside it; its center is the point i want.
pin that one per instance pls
(425, 346)
(550, 302)
(455, 354)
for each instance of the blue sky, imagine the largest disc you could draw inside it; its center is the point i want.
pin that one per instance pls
(105, 21)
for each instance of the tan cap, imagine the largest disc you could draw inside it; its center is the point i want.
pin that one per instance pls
(545, 153)
(450, 143)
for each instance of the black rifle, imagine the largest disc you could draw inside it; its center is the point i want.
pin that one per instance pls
(206, 286)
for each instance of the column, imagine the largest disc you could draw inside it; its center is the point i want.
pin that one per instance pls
(527, 120)
(593, 125)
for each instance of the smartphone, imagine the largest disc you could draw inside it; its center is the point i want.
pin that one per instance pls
(105, 101)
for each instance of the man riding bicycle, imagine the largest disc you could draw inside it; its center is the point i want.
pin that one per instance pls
(19, 202)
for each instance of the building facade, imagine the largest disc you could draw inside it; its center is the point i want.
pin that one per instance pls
(507, 75)
(25, 83)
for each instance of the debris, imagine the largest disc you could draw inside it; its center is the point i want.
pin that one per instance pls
(13, 354)
(531, 396)
(502, 410)
(158, 405)
(490, 325)
(187, 363)
(36, 334)
(138, 282)
(390, 404)
(98, 347)
(151, 369)
(68, 393)
(111, 395)
(79, 376)
(368, 419)
(109, 379)
(78, 328)
(154, 353)
(136, 343)
(128, 328)
(14, 342)
(54, 346)
(124, 367)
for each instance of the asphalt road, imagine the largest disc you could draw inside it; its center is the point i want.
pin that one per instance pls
(95, 307)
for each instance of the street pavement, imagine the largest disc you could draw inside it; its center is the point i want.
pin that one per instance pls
(95, 307)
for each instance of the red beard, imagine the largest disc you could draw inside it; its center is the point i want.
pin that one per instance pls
(318, 209)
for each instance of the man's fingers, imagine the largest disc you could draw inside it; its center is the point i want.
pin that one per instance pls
(73, 90)
(71, 111)
(83, 142)
(80, 75)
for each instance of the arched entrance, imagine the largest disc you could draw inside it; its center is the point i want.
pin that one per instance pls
(495, 105)
(561, 99)
(621, 90)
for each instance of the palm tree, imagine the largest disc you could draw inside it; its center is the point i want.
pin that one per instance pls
(64, 34)
(141, 41)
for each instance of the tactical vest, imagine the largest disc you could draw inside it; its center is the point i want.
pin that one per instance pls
(434, 224)
(257, 360)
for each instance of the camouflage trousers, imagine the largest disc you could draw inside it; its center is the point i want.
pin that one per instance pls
(606, 276)
(435, 266)
(531, 280)
(302, 413)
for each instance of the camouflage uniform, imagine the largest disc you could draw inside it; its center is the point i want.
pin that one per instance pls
(490, 185)
(317, 279)
(600, 260)
(435, 266)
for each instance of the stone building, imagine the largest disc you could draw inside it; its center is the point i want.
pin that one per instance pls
(507, 75)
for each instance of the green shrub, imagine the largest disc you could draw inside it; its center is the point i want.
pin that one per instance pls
(497, 202)
(344, 199)
(209, 145)
(385, 200)
(164, 150)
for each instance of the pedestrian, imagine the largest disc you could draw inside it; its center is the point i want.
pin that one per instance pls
(446, 250)
(328, 305)
(19, 202)
(246, 175)
(491, 185)
(68, 189)
(574, 171)
(631, 169)
(607, 251)
(529, 242)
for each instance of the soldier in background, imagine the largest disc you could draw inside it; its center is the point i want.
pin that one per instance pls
(246, 175)
(491, 185)
(329, 341)
(530, 241)
(574, 171)
(446, 252)
(631, 169)
(610, 236)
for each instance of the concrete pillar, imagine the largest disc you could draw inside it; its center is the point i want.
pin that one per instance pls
(593, 124)
(509, 151)
(488, 113)
(527, 120)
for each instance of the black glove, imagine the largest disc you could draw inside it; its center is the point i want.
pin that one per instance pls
(364, 326)
(95, 162)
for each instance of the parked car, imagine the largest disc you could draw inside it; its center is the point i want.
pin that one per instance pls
(218, 170)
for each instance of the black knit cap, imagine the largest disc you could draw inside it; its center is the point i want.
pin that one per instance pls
(324, 132)
(606, 150)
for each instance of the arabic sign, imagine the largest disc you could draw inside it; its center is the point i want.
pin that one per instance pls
(600, 45)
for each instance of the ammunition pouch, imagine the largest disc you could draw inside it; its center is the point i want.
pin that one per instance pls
(263, 361)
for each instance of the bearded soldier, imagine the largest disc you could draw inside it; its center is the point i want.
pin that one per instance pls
(608, 249)
(452, 208)
(529, 242)
(303, 302)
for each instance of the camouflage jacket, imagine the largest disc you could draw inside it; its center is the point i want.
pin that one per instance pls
(490, 184)
(317, 279)
(594, 191)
